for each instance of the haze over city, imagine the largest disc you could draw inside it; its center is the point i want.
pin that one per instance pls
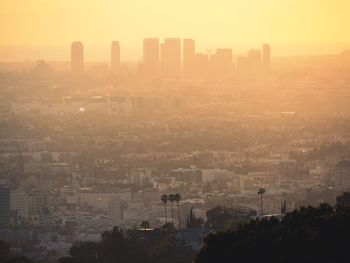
(42, 29)
(174, 131)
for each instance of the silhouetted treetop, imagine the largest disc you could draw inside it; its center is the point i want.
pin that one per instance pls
(306, 235)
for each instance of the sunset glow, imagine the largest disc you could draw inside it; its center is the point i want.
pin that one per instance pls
(211, 23)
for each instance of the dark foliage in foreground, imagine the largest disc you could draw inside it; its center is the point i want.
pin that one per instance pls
(306, 235)
(221, 217)
(118, 246)
(6, 256)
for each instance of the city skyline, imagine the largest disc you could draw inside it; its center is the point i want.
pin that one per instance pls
(133, 52)
(175, 57)
(36, 30)
(174, 131)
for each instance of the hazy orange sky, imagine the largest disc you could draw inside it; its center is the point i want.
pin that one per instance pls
(211, 22)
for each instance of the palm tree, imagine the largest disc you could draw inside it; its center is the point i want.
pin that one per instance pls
(177, 200)
(164, 200)
(261, 192)
(171, 198)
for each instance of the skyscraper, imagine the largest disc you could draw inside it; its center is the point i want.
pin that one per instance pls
(243, 65)
(171, 57)
(77, 57)
(266, 57)
(5, 206)
(151, 57)
(221, 61)
(201, 64)
(115, 56)
(254, 60)
(188, 56)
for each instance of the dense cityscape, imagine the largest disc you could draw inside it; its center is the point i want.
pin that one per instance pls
(189, 150)
(153, 147)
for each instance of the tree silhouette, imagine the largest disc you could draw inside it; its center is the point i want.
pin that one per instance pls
(224, 217)
(177, 197)
(6, 256)
(168, 228)
(305, 235)
(261, 192)
(171, 199)
(118, 246)
(192, 221)
(164, 199)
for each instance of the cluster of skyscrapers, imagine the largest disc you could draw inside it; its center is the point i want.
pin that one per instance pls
(171, 59)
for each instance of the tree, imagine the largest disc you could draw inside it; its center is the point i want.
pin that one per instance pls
(164, 200)
(4, 251)
(261, 192)
(192, 221)
(85, 252)
(168, 228)
(119, 246)
(177, 200)
(305, 235)
(224, 217)
(6, 256)
(171, 199)
(115, 246)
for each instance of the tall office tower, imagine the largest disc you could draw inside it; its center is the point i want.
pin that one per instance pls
(151, 57)
(242, 64)
(5, 206)
(255, 62)
(77, 57)
(171, 57)
(201, 64)
(221, 61)
(188, 56)
(115, 56)
(266, 57)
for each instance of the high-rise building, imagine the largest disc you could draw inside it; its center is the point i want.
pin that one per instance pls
(115, 56)
(171, 57)
(201, 65)
(188, 56)
(221, 61)
(151, 57)
(266, 57)
(5, 206)
(255, 62)
(242, 63)
(77, 57)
